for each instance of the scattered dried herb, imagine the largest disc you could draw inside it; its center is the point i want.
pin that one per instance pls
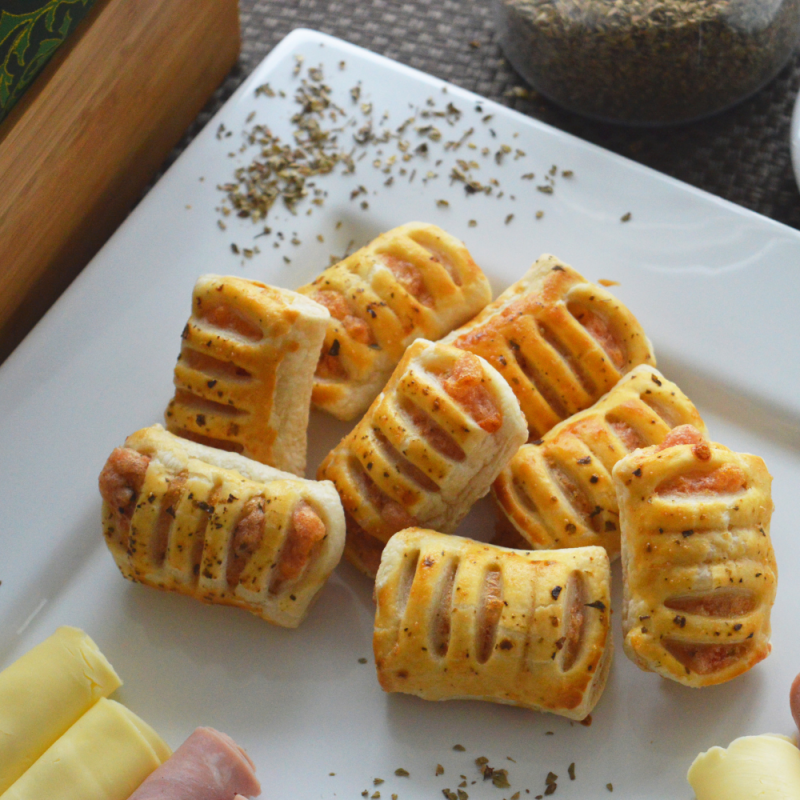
(401, 773)
(326, 138)
(500, 779)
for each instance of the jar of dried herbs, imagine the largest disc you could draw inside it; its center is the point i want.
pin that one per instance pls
(648, 62)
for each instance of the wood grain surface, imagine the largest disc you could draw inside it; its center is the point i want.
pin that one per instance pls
(81, 145)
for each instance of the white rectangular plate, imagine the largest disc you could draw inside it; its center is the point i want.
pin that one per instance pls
(715, 286)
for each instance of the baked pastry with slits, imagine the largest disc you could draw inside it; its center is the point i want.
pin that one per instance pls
(219, 527)
(246, 368)
(458, 619)
(558, 492)
(559, 341)
(428, 447)
(698, 567)
(415, 281)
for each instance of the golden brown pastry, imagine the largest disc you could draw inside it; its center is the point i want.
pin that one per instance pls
(461, 619)
(557, 492)
(698, 568)
(430, 445)
(559, 341)
(219, 527)
(244, 376)
(413, 281)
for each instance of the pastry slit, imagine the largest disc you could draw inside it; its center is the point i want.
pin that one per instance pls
(705, 659)
(209, 441)
(717, 603)
(194, 402)
(524, 499)
(660, 409)
(409, 276)
(341, 309)
(569, 359)
(727, 479)
(540, 384)
(576, 498)
(442, 610)
(599, 329)
(166, 518)
(489, 613)
(405, 582)
(437, 254)
(626, 433)
(403, 465)
(464, 382)
(391, 512)
(248, 534)
(528, 504)
(231, 319)
(216, 367)
(433, 433)
(302, 544)
(574, 621)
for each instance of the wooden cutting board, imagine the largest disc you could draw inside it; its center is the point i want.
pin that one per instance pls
(85, 139)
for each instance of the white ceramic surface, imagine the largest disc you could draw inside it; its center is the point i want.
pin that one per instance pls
(716, 287)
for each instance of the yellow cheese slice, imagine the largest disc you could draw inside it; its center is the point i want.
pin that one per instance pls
(763, 767)
(44, 693)
(105, 755)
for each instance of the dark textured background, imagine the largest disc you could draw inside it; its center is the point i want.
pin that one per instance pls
(742, 154)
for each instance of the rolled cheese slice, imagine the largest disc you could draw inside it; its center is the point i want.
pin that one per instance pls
(208, 766)
(765, 767)
(44, 693)
(105, 755)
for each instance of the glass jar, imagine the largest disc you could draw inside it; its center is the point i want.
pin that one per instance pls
(648, 62)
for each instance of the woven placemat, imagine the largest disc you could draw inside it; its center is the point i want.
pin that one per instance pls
(741, 155)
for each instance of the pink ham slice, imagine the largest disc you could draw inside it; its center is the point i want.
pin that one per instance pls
(208, 766)
(794, 701)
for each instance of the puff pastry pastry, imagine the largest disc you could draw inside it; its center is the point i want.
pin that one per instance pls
(461, 619)
(698, 568)
(558, 492)
(430, 445)
(244, 376)
(215, 525)
(415, 281)
(559, 341)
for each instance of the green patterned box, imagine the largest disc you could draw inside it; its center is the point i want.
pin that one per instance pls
(30, 32)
